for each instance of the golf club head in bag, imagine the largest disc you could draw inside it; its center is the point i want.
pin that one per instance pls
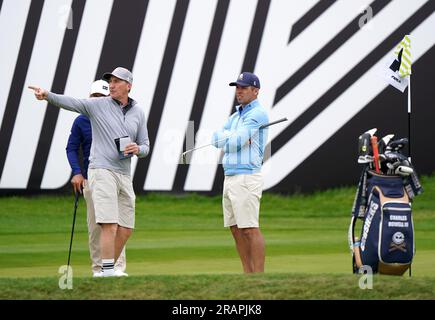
(397, 145)
(403, 170)
(390, 160)
(396, 162)
(382, 144)
(364, 147)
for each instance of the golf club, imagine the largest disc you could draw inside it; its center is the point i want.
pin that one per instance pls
(374, 142)
(76, 202)
(383, 143)
(183, 155)
(364, 146)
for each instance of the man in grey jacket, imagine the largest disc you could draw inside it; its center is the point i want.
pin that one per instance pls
(118, 132)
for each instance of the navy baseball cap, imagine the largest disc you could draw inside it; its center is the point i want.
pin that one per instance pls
(247, 79)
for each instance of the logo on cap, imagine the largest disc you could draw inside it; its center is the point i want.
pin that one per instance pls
(246, 79)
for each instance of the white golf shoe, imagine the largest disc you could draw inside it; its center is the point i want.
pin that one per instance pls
(120, 273)
(103, 274)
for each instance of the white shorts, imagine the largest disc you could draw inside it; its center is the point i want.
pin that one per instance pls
(241, 200)
(113, 197)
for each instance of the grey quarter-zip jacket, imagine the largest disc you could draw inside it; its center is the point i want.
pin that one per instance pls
(108, 123)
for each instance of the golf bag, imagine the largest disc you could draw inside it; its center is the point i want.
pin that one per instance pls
(383, 203)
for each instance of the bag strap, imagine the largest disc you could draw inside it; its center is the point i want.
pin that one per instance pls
(360, 201)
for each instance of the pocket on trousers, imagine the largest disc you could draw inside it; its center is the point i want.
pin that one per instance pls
(254, 183)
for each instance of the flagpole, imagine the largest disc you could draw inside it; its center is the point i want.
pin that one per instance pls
(409, 118)
(409, 102)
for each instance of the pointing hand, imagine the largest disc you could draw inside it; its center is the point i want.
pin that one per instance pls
(40, 93)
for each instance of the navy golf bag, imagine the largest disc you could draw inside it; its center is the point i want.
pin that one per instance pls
(386, 243)
(383, 203)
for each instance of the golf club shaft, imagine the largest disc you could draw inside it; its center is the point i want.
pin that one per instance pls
(210, 144)
(76, 201)
(272, 123)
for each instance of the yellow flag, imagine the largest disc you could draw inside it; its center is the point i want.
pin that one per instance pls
(403, 53)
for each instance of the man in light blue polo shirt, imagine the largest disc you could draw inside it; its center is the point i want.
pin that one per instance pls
(243, 143)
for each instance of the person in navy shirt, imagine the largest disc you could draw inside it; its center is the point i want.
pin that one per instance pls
(79, 145)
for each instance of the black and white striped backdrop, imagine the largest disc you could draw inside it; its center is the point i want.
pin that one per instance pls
(320, 63)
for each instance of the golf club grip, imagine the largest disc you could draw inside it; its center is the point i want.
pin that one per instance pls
(76, 199)
(374, 141)
(272, 123)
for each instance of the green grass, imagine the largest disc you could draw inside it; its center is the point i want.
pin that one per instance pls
(179, 242)
(282, 286)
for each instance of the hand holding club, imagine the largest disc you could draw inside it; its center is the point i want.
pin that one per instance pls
(184, 154)
(78, 182)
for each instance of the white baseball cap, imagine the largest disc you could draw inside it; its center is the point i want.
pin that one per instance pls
(100, 86)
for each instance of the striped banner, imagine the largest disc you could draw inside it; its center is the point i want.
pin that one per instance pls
(317, 63)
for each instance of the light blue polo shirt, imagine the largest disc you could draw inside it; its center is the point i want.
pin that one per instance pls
(243, 140)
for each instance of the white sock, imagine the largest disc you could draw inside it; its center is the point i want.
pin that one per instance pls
(108, 266)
